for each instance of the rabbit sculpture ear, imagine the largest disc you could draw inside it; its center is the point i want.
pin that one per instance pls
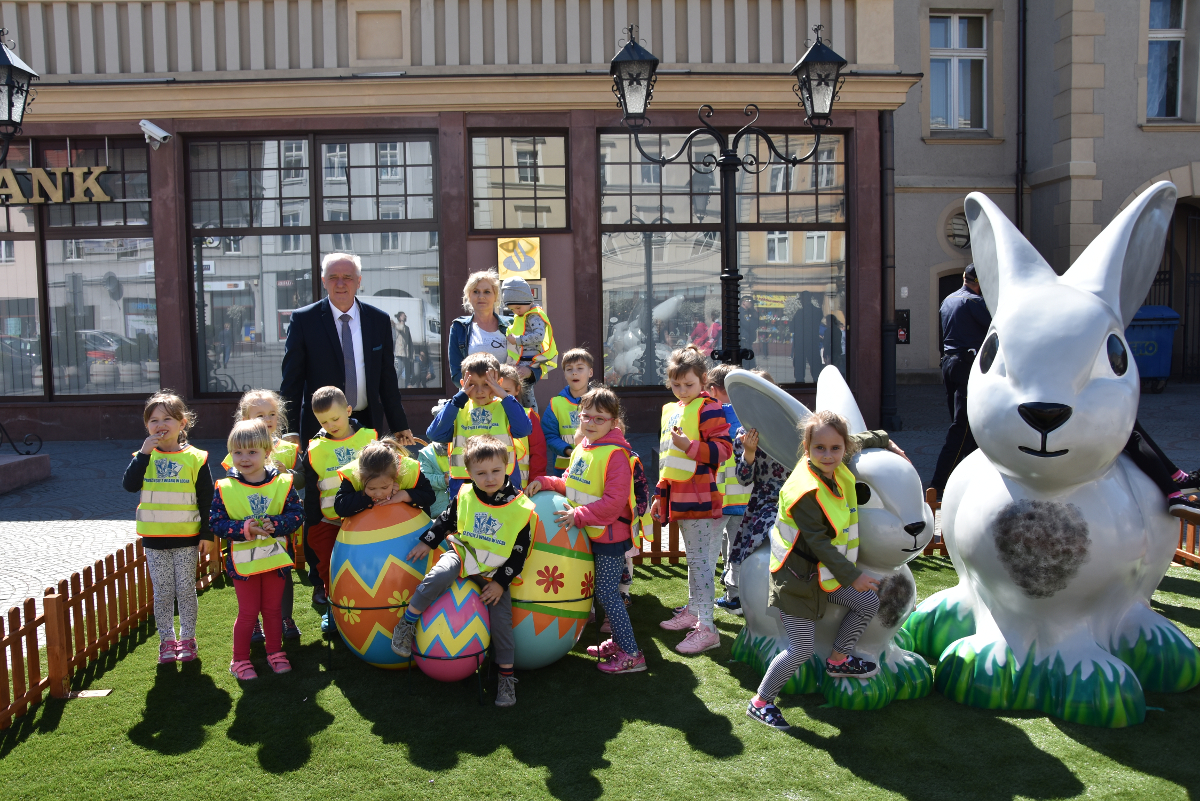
(833, 394)
(1120, 264)
(1003, 256)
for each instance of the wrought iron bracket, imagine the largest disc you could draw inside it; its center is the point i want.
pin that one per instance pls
(28, 442)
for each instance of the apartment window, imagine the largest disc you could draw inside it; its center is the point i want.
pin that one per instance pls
(777, 247)
(8, 252)
(812, 192)
(232, 244)
(72, 250)
(336, 162)
(1165, 58)
(815, 247)
(519, 182)
(957, 71)
(295, 161)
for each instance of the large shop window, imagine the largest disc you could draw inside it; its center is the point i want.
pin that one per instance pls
(78, 314)
(257, 247)
(661, 258)
(519, 182)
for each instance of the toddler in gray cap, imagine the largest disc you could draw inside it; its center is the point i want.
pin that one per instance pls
(531, 344)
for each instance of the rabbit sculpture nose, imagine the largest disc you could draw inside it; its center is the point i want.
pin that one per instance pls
(1045, 417)
(914, 528)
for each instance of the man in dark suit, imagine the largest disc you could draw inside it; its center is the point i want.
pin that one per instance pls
(343, 343)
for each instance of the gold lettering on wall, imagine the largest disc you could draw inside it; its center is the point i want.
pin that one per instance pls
(10, 190)
(54, 189)
(88, 183)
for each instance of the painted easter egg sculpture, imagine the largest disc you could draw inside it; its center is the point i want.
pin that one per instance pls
(553, 595)
(1059, 540)
(371, 582)
(894, 524)
(453, 633)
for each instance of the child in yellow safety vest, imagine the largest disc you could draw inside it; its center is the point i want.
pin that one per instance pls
(267, 405)
(481, 407)
(562, 418)
(382, 474)
(531, 346)
(336, 445)
(693, 445)
(599, 485)
(256, 510)
(172, 521)
(489, 525)
(531, 450)
(814, 547)
(733, 494)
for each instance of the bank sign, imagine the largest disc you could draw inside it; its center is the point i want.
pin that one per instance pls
(55, 185)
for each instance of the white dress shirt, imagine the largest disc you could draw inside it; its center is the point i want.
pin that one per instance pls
(360, 367)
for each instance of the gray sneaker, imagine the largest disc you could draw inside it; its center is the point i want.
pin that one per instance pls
(402, 638)
(506, 691)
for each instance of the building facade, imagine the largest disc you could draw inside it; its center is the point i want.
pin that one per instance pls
(1111, 92)
(421, 136)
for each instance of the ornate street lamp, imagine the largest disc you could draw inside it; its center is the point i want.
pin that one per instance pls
(818, 79)
(15, 95)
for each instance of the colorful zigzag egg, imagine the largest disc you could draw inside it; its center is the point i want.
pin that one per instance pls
(453, 634)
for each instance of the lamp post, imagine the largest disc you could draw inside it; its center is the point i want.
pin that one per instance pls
(15, 95)
(818, 79)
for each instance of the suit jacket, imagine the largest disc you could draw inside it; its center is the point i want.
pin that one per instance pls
(312, 358)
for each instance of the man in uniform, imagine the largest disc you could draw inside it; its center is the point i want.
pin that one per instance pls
(965, 322)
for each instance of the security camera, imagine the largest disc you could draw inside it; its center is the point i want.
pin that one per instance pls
(154, 135)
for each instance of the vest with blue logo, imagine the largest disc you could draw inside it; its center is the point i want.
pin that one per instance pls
(327, 456)
(243, 501)
(486, 534)
(168, 506)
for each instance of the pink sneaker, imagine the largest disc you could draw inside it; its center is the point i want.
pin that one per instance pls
(682, 620)
(621, 662)
(187, 650)
(279, 662)
(698, 640)
(167, 652)
(604, 650)
(606, 628)
(243, 670)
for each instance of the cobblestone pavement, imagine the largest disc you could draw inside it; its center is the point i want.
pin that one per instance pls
(59, 526)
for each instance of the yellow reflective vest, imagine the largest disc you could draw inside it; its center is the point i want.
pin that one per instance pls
(674, 464)
(327, 456)
(841, 512)
(474, 421)
(584, 481)
(486, 534)
(732, 492)
(410, 471)
(282, 452)
(547, 351)
(521, 447)
(566, 414)
(243, 501)
(168, 506)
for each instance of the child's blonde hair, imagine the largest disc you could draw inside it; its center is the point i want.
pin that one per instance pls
(716, 376)
(510, 372)
(381, 459)
(256, 396)
(764, 374)
(174, 406)
(249, 434)
(823, 418)
(603, 399)
(489, 276)
(689, 357)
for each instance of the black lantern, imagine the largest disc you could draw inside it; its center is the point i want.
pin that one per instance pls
(633, 78)
(818, 76)
(15, 78)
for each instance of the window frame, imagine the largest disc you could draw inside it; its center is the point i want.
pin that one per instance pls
(1178, 35)
(506, 228)
(955, 54)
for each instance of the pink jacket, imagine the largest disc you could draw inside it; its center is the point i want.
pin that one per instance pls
(614, 503)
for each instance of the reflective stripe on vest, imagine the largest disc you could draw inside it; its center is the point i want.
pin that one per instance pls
(485, 535)
(673, 464)
(327, 456)
(474, 421)
(521, 444)
(566, 414)
(841, 512)
(732, 492)
(168, 506)
(242, 502)
(547, 350)
(584, 480)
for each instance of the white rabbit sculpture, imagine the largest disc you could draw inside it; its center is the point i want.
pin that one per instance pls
(1058, 539)
(894, 525)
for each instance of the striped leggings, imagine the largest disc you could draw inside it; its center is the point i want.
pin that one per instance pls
(802, 641)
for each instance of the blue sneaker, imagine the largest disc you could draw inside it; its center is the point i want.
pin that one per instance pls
(768, 714)
(257, 635)
(328, 627)
(731, 605)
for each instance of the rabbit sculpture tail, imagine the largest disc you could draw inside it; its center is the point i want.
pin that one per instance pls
(894, 525)
(1058, 539)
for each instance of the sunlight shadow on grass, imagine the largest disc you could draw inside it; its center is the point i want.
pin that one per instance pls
(183, 702)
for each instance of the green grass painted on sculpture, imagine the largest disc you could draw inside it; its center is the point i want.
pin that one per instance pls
(1164, 660)
(933, 625)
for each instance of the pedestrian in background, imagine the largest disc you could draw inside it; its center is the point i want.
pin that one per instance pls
(965, 322)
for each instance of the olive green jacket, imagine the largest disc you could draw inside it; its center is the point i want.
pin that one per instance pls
(794, 588)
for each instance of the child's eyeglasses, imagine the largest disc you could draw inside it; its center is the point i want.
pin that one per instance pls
(588, 418)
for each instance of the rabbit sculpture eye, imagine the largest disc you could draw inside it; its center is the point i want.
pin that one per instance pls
(987, 354)
(1118, 357)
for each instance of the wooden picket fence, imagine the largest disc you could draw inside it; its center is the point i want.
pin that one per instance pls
(82, 617)
(934, 505)
(655, 552)
(1188, 552)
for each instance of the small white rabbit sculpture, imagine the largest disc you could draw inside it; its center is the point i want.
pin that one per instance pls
(894, 525)
(1058, 539)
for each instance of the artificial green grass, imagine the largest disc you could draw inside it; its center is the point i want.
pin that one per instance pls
(677, 731)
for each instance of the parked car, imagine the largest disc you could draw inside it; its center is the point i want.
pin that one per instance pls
(104, 340)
